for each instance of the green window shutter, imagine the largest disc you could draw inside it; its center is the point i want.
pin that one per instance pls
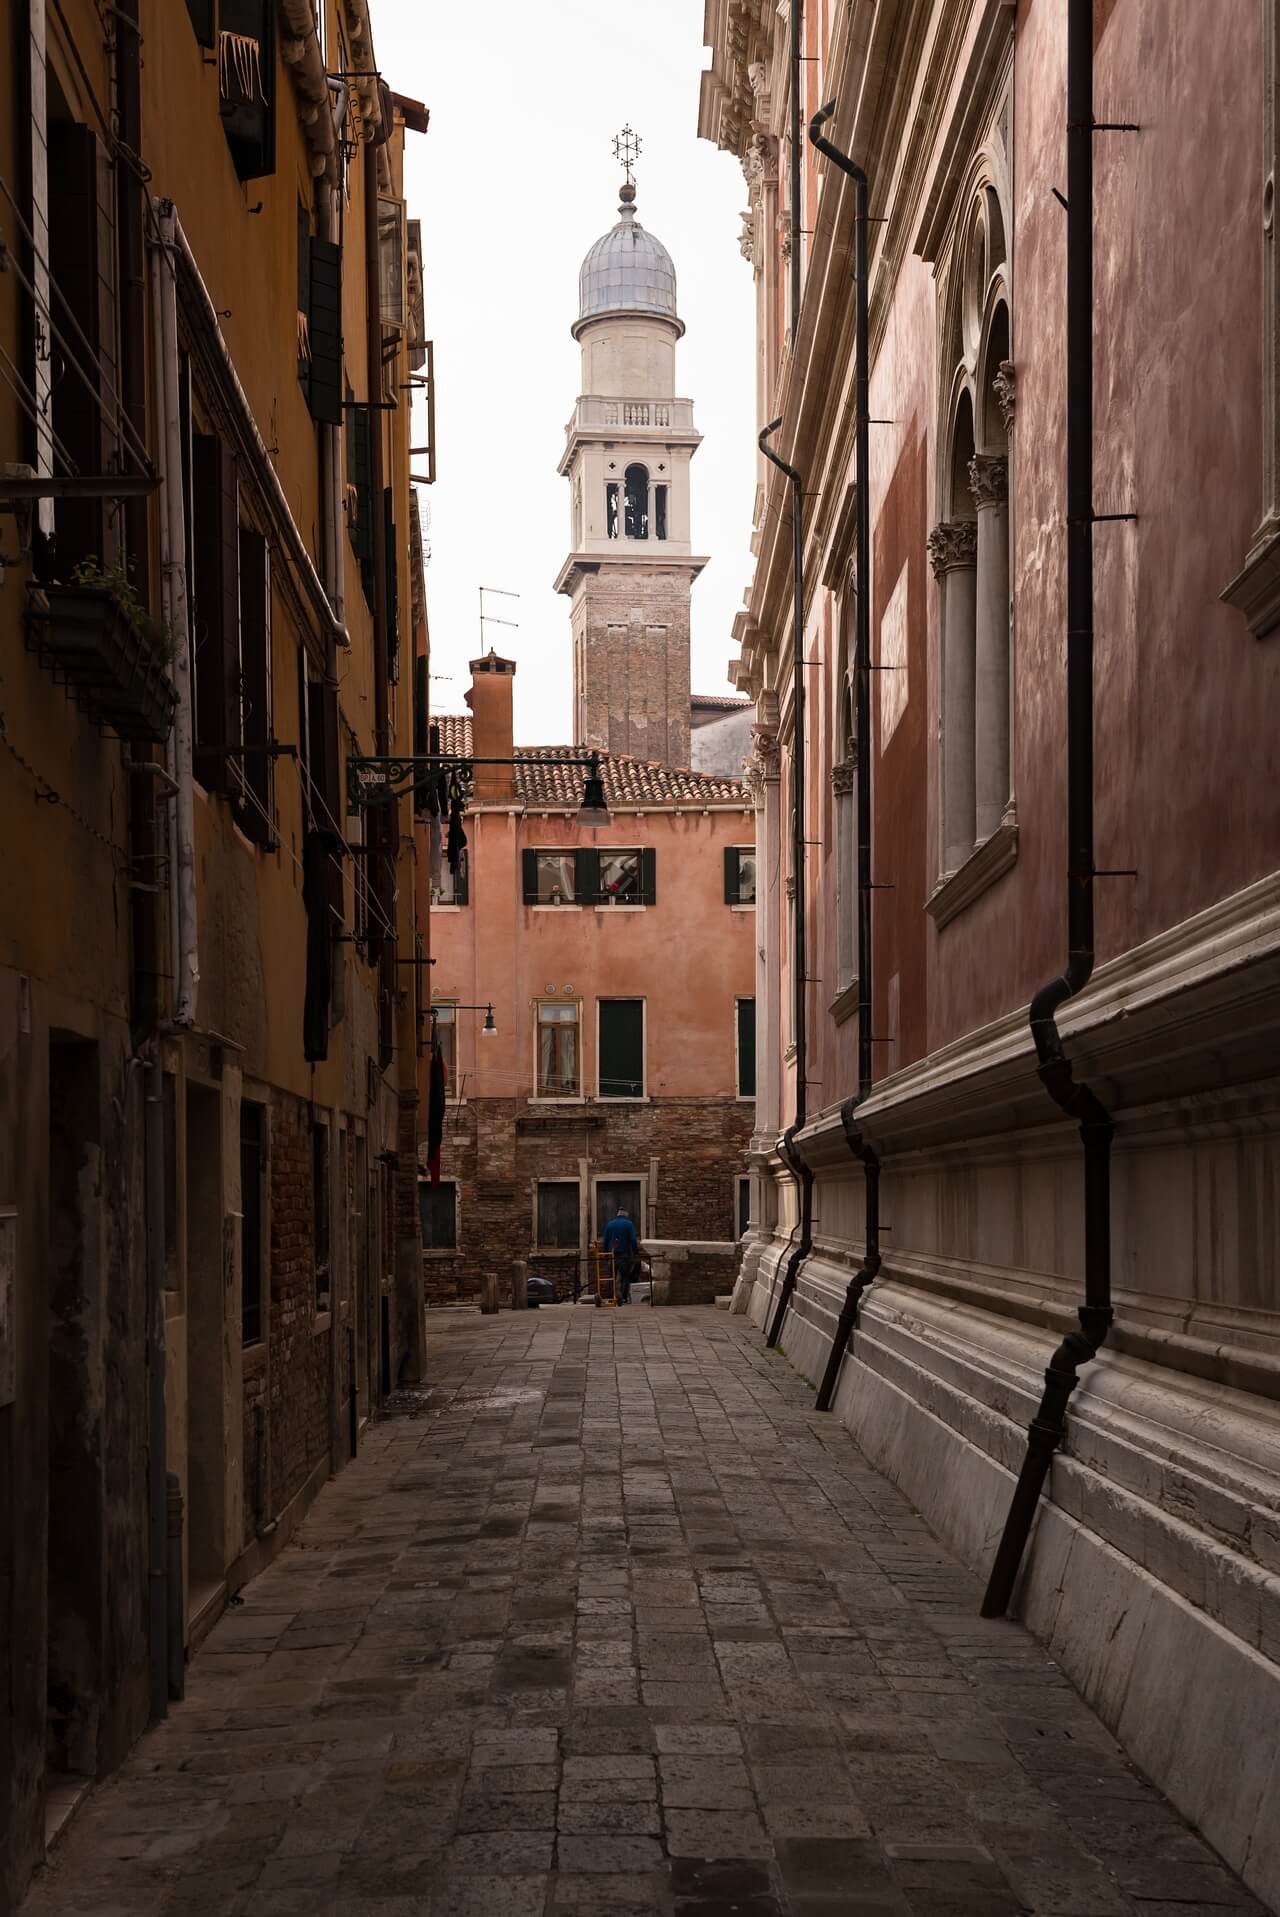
(393, 586)
(529, 861)
(746, 1048)
(324, 326)
(586, 876)
(621, 1065)
(648, 875)
(731, 875)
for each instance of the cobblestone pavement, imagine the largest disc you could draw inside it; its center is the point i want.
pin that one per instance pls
(617, 1623)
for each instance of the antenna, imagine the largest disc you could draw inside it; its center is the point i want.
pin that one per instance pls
(626, 148)
(491, 619)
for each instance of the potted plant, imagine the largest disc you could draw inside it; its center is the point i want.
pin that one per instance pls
(100, 640)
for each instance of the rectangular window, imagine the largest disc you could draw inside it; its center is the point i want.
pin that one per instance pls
(620, 882)
(257, 797)
(591, 876)
(438, 1209)
(618, 1194)
(740, 875)
(746, 1048)
(554, 878)
(320, 1214)
(621, 1060)
(558, 1216)
(452, 886)
(247, 84)
(660, 511)
(446, 1024)
(558, 1074)
(252, 1249)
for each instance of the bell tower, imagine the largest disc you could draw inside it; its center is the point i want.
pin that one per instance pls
(627, 452)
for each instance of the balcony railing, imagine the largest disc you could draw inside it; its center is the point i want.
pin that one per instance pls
(635, 414)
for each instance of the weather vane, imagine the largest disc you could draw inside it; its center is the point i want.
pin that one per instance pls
(626, 147)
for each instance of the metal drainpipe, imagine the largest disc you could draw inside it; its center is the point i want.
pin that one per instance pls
(799, 1170)
(870, 1266)
(157, 1464)
(373, 309)
(1096, 1129)
(797, 211)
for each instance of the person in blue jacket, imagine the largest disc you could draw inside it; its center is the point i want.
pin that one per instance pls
(621, 1242)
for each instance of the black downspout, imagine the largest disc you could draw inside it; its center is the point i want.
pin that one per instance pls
(800, 1171)
(870, 1266)
(1096, 1129)
(157, 1462)
(797, 208)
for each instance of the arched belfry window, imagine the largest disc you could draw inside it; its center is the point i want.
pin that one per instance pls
(969, 546)
(636, 523)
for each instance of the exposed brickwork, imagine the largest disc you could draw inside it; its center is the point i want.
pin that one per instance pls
(495, 1156)
(299, 1374)
(631, 629)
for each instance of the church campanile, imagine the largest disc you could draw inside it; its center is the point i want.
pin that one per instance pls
(630, 440)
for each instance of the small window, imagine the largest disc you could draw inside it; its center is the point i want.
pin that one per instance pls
(620, 878)
(452, 886)
(252, 1250)
(446, 1023)
(320, 1213)
(637, 502)
(746, 1046)
(659, 512)
(621, 1061)
(744, 1206)
(612, 496)
(247, 84)
(558, 1073)
(555, 878)
(740, 875)
(558, 1216)
(438, 1210)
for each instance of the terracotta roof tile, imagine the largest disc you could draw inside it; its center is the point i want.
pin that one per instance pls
(717, 702)
(627, 781)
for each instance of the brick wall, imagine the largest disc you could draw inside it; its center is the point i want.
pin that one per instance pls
(635, 662)
(495, 1155)
(298, 1399)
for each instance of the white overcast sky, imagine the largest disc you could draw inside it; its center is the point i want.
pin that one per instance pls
(513, 183)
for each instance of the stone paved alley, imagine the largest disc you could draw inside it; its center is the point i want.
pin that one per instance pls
(614, 1622)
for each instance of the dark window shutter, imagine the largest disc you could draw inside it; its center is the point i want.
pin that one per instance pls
(461, 883)
(215, 539)
(731, 875)
(529, 862)
(621, 1048)
(648, 875)
(421, 729)
(248, 97)
(324, 328)
(82, 260)
(586, 876)
(359, 474)
(202, 21)
(746, 1048)
(393, 586)
(257, 818)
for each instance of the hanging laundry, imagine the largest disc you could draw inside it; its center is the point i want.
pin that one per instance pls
(457, 842)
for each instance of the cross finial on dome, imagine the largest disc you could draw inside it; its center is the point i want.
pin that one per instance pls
(626, 147)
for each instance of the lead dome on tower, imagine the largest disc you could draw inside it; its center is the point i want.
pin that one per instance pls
(627, 271)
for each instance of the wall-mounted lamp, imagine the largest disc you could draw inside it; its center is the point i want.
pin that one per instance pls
(593, 811)
(490, 1027)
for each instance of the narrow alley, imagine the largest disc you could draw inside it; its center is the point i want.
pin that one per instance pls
(609, 1619)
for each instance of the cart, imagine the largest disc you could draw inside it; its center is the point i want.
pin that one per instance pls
(604, 1276)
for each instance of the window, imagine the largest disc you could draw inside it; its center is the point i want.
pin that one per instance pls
(744, 1206)
(252, 1249)
(607, 875)
(438, 1210)
(746, 1048)
(256, 808)
(740, 875)
(554, 878)
(446, 1024)
(247, 84)
(660, 512)
(557, 1075)
(636, 523)
(612, 492)
(620, 1063)
(559, 1210)
(451, 889)
(619, 1194)
(320, 1214)
(969, 547)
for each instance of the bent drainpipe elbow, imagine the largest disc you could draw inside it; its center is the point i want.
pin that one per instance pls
(869, 1269)
(804, 1244)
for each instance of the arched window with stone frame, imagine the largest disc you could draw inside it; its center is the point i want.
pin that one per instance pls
(969, 545)
(636, 514)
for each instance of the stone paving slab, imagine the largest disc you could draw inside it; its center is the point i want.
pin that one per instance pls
(609, 1620)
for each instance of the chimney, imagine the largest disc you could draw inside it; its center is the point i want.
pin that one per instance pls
(492, 728)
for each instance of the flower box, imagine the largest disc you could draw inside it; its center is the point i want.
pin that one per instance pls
(116, 668)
